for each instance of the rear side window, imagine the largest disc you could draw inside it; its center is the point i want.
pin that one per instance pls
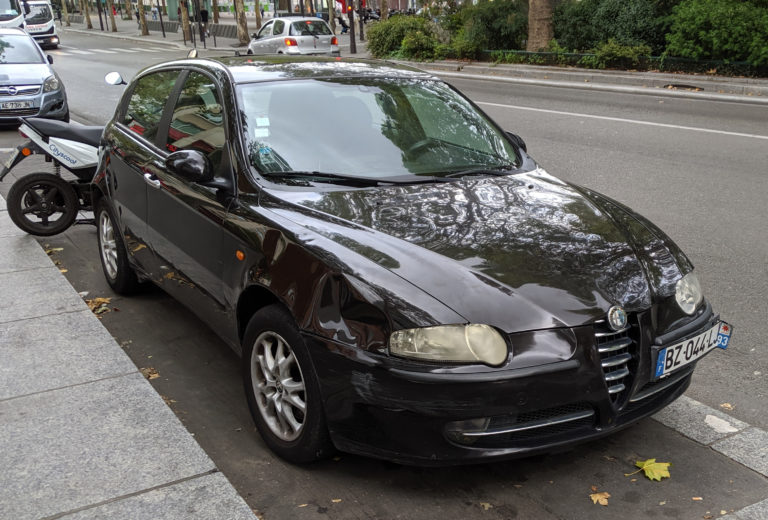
(198, 119)
(278, 27)
(309, 28)
(147, 101)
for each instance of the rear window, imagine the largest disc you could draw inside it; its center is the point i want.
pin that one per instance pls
(19, 49)
(309, 28)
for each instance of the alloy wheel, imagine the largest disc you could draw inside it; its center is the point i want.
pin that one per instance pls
(107, 244)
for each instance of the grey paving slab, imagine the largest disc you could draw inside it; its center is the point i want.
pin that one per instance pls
(21, 252)
(36, 292)
(7, 227)
(3, 206)
(749, 447)
(698, 421)
(206, 497)
(56, 351)
(83, 445)
(757, 511)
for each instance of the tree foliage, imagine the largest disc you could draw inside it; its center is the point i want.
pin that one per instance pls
(386, 37)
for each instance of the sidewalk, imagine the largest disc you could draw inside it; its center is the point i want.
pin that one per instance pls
(691, 86)
(83, 435)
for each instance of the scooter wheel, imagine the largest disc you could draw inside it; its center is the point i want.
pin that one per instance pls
(42, 204)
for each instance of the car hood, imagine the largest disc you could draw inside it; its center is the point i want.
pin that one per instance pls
(520, 252)
(24, 73)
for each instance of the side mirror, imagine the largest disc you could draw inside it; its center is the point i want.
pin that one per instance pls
(49, 58)
(517, 141)
(190, 165)
(114, 78)
(254, 36)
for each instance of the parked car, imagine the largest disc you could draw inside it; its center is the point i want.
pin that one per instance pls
(294, 35)
(28, 84)
(417, 289)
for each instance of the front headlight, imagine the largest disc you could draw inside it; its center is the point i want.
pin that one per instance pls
(50, 84)
(469, 343)
(688, 293)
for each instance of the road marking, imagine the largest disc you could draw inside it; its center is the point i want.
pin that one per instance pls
(117, 49)
(104, 51)
(622, 120)
(160, 49)
(143, 49)
(6, 150)
(78, 51)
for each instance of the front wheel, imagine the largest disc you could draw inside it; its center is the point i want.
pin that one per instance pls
(114, 258)
(42, 204)
(281, 387)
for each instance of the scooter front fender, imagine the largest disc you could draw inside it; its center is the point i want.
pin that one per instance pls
(22, 151)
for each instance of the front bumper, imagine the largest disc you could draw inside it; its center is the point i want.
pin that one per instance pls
(50, 105)
(46, 40)
(380, 408)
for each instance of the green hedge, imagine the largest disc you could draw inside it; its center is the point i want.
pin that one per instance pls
(386, 37)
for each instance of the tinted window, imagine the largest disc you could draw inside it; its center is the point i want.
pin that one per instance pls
(309, 27)
(19, 49)
(279, 26)
(198, 119)
(147, 102)
(265, 31)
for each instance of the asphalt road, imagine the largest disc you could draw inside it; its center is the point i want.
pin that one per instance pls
(704, 188)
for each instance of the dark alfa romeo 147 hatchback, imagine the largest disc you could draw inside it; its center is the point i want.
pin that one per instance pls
(401, 279)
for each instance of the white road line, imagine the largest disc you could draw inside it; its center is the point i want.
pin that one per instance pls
(622, 120)
(117, 49)
(6, 150)
(143, 49)
(78, 51)
(104, 51)
(160, 49)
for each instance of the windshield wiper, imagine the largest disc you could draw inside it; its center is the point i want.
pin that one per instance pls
(326, 177)
(504, 169)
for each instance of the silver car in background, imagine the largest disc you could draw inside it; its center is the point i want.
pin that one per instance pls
(295, 35)
(28, 85)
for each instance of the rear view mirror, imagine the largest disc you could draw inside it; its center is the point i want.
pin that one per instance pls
(190, 165)
(254, 36)
(114, 78)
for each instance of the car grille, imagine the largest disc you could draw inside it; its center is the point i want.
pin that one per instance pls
(21, 90)
(19, 112)
(618, 356)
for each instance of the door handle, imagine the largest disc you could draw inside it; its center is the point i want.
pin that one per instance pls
(154, 182)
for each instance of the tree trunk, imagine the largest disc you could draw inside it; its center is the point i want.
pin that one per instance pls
(242, 23)
(111, 16)
(142, 18)
(185, 21)
(331, 15)
(540, 29)
(215, 7)
(86, 10)
(384, 9)
(127, 10)
(65, 13)
(257, 7)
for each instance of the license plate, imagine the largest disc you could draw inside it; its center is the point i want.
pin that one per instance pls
(680, 354)
(13, 105)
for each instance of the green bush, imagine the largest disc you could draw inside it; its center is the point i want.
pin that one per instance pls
(501, 24)
(386, 37)
(464, 46)
(612, 54)
(730, 30)
(418, 46)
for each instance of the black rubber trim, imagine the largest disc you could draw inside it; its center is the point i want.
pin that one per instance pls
(687, 329)
(484, 377)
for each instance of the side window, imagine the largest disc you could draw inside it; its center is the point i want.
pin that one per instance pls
(266, 31)
(147, 102)
(278, 27)
(198, 119)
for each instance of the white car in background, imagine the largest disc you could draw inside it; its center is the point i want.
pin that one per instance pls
(295, 35)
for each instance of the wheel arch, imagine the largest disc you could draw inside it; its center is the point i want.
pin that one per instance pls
(251, 300)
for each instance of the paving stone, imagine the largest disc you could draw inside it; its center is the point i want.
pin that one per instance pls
(3, 206)
(698, 421)
(21, 252)
(757, 511)
(7, 227)
(202, 498)
(83, 445)
(749, 447)
(36, 292)
(55, 351)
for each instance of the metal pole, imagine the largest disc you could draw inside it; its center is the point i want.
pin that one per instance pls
(351, 12)
(199, 18)
(361, 3)
(160, 13)
(98, 8)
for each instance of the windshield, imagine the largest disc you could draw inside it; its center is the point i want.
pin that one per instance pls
(9, 9)
(40, 14)
(19, 49)
(309, 28)
(368, 127)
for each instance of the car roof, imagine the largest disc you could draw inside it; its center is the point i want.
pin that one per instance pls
(12, 30)
(250, 69)
(300, 18)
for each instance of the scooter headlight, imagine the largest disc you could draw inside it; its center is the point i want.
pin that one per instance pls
(50, 84)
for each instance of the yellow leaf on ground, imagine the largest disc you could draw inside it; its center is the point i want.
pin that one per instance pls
(53, 250)
(600, 498)
(653, 470)
(726, 406)
(335, 500)
(303, 505)
(486, 506)
(150, 373)
(697, 499)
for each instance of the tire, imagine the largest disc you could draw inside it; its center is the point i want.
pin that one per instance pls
(284, 400)
(34, 199)
(112, 253)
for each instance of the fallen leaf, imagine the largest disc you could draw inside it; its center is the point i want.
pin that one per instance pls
(168, 400)
(53, 250)
(600, 498)
(653, 470)
(149, 373)
(63, 270)
(485, 505)
(609, 458)
(633, 480)
(303, 505)
(697, 499)
(663, 502)
(726, 406)
(594, 489)
(336, 500)
(708, 517)
(723, 512)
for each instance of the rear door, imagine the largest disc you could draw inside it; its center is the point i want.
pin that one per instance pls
(264, 40)
(131, 157)
(313, 36)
